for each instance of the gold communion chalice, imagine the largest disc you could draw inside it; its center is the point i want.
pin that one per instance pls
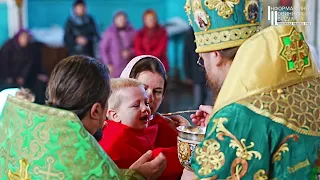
(189, 137)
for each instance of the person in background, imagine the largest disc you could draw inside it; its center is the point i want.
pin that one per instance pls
(20, 61)
(150, 71)
(152, 39)
(80, 31)
(116, 47)
(127, 134)
(194, 73)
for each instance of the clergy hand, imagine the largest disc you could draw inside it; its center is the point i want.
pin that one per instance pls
(188, 175)
(180, 121)
(201, 117)
(150, 170)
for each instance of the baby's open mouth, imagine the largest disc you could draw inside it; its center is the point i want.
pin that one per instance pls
(145, 118)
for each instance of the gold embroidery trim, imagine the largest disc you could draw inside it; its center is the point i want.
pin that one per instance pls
(298, 166)
(209, 157)
(295, 51)
(230, 28)
(260, 175)
(23, 172)
(187, 8)
(242, 149)
(49, 170)
(45, 110)
(283, 147)
(239, 166)
(223, 7)
(211, 148)
(296, 107)
(225, 35)
(200, 16)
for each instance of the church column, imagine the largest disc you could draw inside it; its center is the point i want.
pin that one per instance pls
(17, 12)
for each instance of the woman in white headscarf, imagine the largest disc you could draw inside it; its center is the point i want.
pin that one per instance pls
(150, 71)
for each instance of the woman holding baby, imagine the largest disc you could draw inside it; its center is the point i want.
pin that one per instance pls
(134, 127)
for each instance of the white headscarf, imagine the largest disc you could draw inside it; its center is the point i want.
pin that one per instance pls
(127, 70)
(4, 95)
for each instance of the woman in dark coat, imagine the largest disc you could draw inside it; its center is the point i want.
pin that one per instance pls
(18, 59)
(21, 63)
(80, 31)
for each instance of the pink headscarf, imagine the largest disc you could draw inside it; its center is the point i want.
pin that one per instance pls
(127, 70)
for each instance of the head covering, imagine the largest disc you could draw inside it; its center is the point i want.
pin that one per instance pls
(223, 24)
(120, 12)
(127, 70)
(128, 25)
(77, 2)
(150, 12)
(16, 36)
(277, 66)
(4, 95)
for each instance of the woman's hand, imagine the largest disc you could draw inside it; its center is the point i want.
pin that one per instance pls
(150, 170)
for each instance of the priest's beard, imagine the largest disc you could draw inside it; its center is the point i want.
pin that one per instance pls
(214, 86)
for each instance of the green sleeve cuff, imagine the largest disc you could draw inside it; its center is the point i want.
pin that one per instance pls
(130, 174)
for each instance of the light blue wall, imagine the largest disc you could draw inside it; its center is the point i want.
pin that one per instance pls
(4, 34)
(45, 13)
(175, 50)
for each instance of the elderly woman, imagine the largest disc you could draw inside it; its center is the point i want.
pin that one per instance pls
(116, 47)
(20, 62)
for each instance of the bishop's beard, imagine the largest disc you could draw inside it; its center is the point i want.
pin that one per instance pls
(214, 86)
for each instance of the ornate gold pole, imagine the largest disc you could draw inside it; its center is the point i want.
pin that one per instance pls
(19, 4)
